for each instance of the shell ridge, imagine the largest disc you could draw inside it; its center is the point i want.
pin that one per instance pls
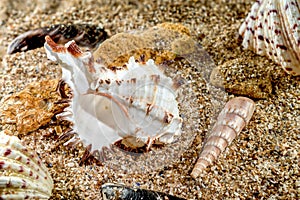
(22, 172)
(224, 131)
(272, 29)
(32, 161)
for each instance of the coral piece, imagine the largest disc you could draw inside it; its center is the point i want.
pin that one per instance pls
(272, 28)
(22, 173)
(232, 119)
(34, 106)
(251, 80)
(161, 43)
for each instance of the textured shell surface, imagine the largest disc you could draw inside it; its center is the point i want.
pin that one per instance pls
(232, 119)
(272, 28)
(134, 101)
(22, 173)
(39, 99)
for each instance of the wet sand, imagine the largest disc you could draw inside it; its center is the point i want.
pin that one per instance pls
(262, 163)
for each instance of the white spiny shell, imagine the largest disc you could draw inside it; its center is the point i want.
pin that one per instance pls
(272, 28)
(232, 119)
(110, 104)
(22, 173)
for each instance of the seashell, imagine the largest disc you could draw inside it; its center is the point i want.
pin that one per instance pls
(121, 192)
(39, 99)
(109, 104)
(87, 35)
(232, 119)
(22, 173)
(168, 45)
(272, 29)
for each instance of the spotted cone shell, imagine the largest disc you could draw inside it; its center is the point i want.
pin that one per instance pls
(22, 173)
(272, 28)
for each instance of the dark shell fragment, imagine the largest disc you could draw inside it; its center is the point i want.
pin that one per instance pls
(85, 35)
(111, 191)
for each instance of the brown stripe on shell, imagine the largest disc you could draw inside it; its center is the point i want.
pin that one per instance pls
(74, 49)
(232, 119)
(54, 46)
(87, 35)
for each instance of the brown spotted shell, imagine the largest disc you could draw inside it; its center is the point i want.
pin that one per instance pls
(272, 28)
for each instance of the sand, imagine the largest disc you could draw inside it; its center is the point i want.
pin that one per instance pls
(262, 163)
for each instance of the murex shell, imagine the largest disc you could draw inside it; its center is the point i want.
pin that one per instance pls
(272, 28)
(109, 104)
(22, 173)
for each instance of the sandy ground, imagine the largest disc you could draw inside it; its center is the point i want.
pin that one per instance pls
(262, 163)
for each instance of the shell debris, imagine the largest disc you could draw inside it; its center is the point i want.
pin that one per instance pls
(114, 191)
(161, 43)
(232, 119)
(22, 173)
(86, 35)
(34, 106)
(272, 28)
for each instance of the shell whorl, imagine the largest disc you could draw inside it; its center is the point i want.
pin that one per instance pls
(232, 119)
(272, 28)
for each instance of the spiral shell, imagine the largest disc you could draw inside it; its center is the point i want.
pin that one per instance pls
(272, 28)
(232, 119)
(22, 173)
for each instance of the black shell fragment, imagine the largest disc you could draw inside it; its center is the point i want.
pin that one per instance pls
(85, 35)
(111, 191)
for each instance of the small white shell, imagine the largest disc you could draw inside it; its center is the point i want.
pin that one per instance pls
(272, 28)
(232, 119)
(22, 173)
(110, 104)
